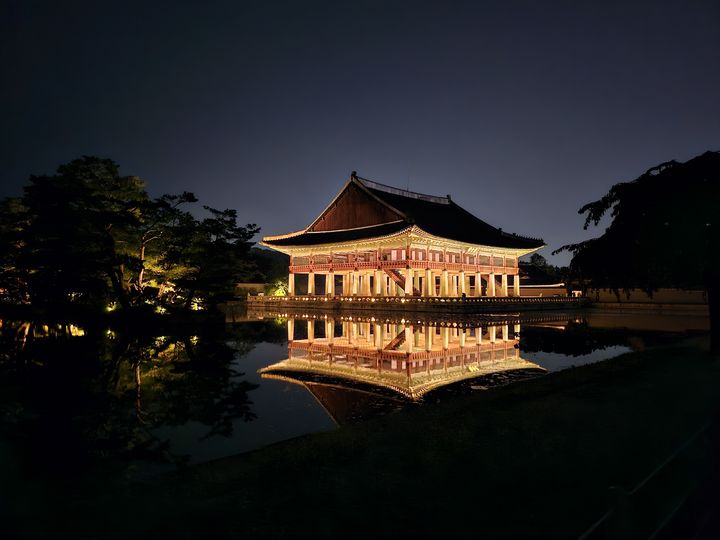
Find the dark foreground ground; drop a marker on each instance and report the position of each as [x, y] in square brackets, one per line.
[531, 460]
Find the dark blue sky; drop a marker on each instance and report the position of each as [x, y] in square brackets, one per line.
[523, 111]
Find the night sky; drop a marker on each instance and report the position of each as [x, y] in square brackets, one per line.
[523, 111]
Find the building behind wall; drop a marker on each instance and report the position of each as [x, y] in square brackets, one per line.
[377, 240]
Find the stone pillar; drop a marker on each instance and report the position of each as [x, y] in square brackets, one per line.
[311, 284]
[478, 284]
[291, 284]
[444, 283]
[504, 285]
[463, 291]
[429, 285]
[516, 285]
[311, 330]
[291, 329]
[491, 285]
[409, 282]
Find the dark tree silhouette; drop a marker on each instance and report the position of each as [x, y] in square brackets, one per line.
[663, 234]
[88, 237]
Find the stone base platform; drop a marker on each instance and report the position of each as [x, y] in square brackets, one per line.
[340, 304]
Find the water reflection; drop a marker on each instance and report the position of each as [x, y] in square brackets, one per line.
[104, 394]
[178, 395]
[404, 359]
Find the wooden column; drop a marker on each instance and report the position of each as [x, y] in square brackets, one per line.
[516, 284]
[444, 283]
[409, 344]
[503, 285]
[291, 329]
[354, 282]
[310, 330]
[311, 284]
[429, 331]
[291, 284]
[491, 285]
[478, 335]
[408, 282]
[463, 291]
[330, 284]
[429, 285]
[478, 284]
[505, 332]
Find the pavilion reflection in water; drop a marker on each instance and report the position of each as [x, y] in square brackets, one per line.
[405, 360]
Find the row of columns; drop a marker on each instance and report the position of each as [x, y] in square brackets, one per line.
[379, 283]
[416, 337]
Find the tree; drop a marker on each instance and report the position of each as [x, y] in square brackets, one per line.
[74, 242]
[538, 260]
[209, 257]
[663, 234]
[89, 237]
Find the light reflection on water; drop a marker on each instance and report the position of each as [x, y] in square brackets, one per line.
[201, 397]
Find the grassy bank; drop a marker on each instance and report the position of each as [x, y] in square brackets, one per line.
[531, 460]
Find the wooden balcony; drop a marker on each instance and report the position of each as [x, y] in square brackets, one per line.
[401, 265]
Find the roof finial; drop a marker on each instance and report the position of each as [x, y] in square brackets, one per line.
[353, 175]
[448, 197]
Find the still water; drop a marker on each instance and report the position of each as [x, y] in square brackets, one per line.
[153, 402]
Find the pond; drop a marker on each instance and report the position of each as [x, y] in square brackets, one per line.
[73, 399]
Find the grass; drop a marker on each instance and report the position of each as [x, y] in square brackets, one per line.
[530, 460]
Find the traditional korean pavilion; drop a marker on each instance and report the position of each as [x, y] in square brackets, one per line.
[377, 240]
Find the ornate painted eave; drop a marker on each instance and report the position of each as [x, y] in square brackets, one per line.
[412, 234]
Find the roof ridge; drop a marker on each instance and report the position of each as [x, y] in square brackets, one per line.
[372, 184]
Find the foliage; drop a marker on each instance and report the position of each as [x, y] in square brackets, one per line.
[279, 287]
[88, 236]
[663, 232]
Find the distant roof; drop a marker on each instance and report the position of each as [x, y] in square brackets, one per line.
[438, 216]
